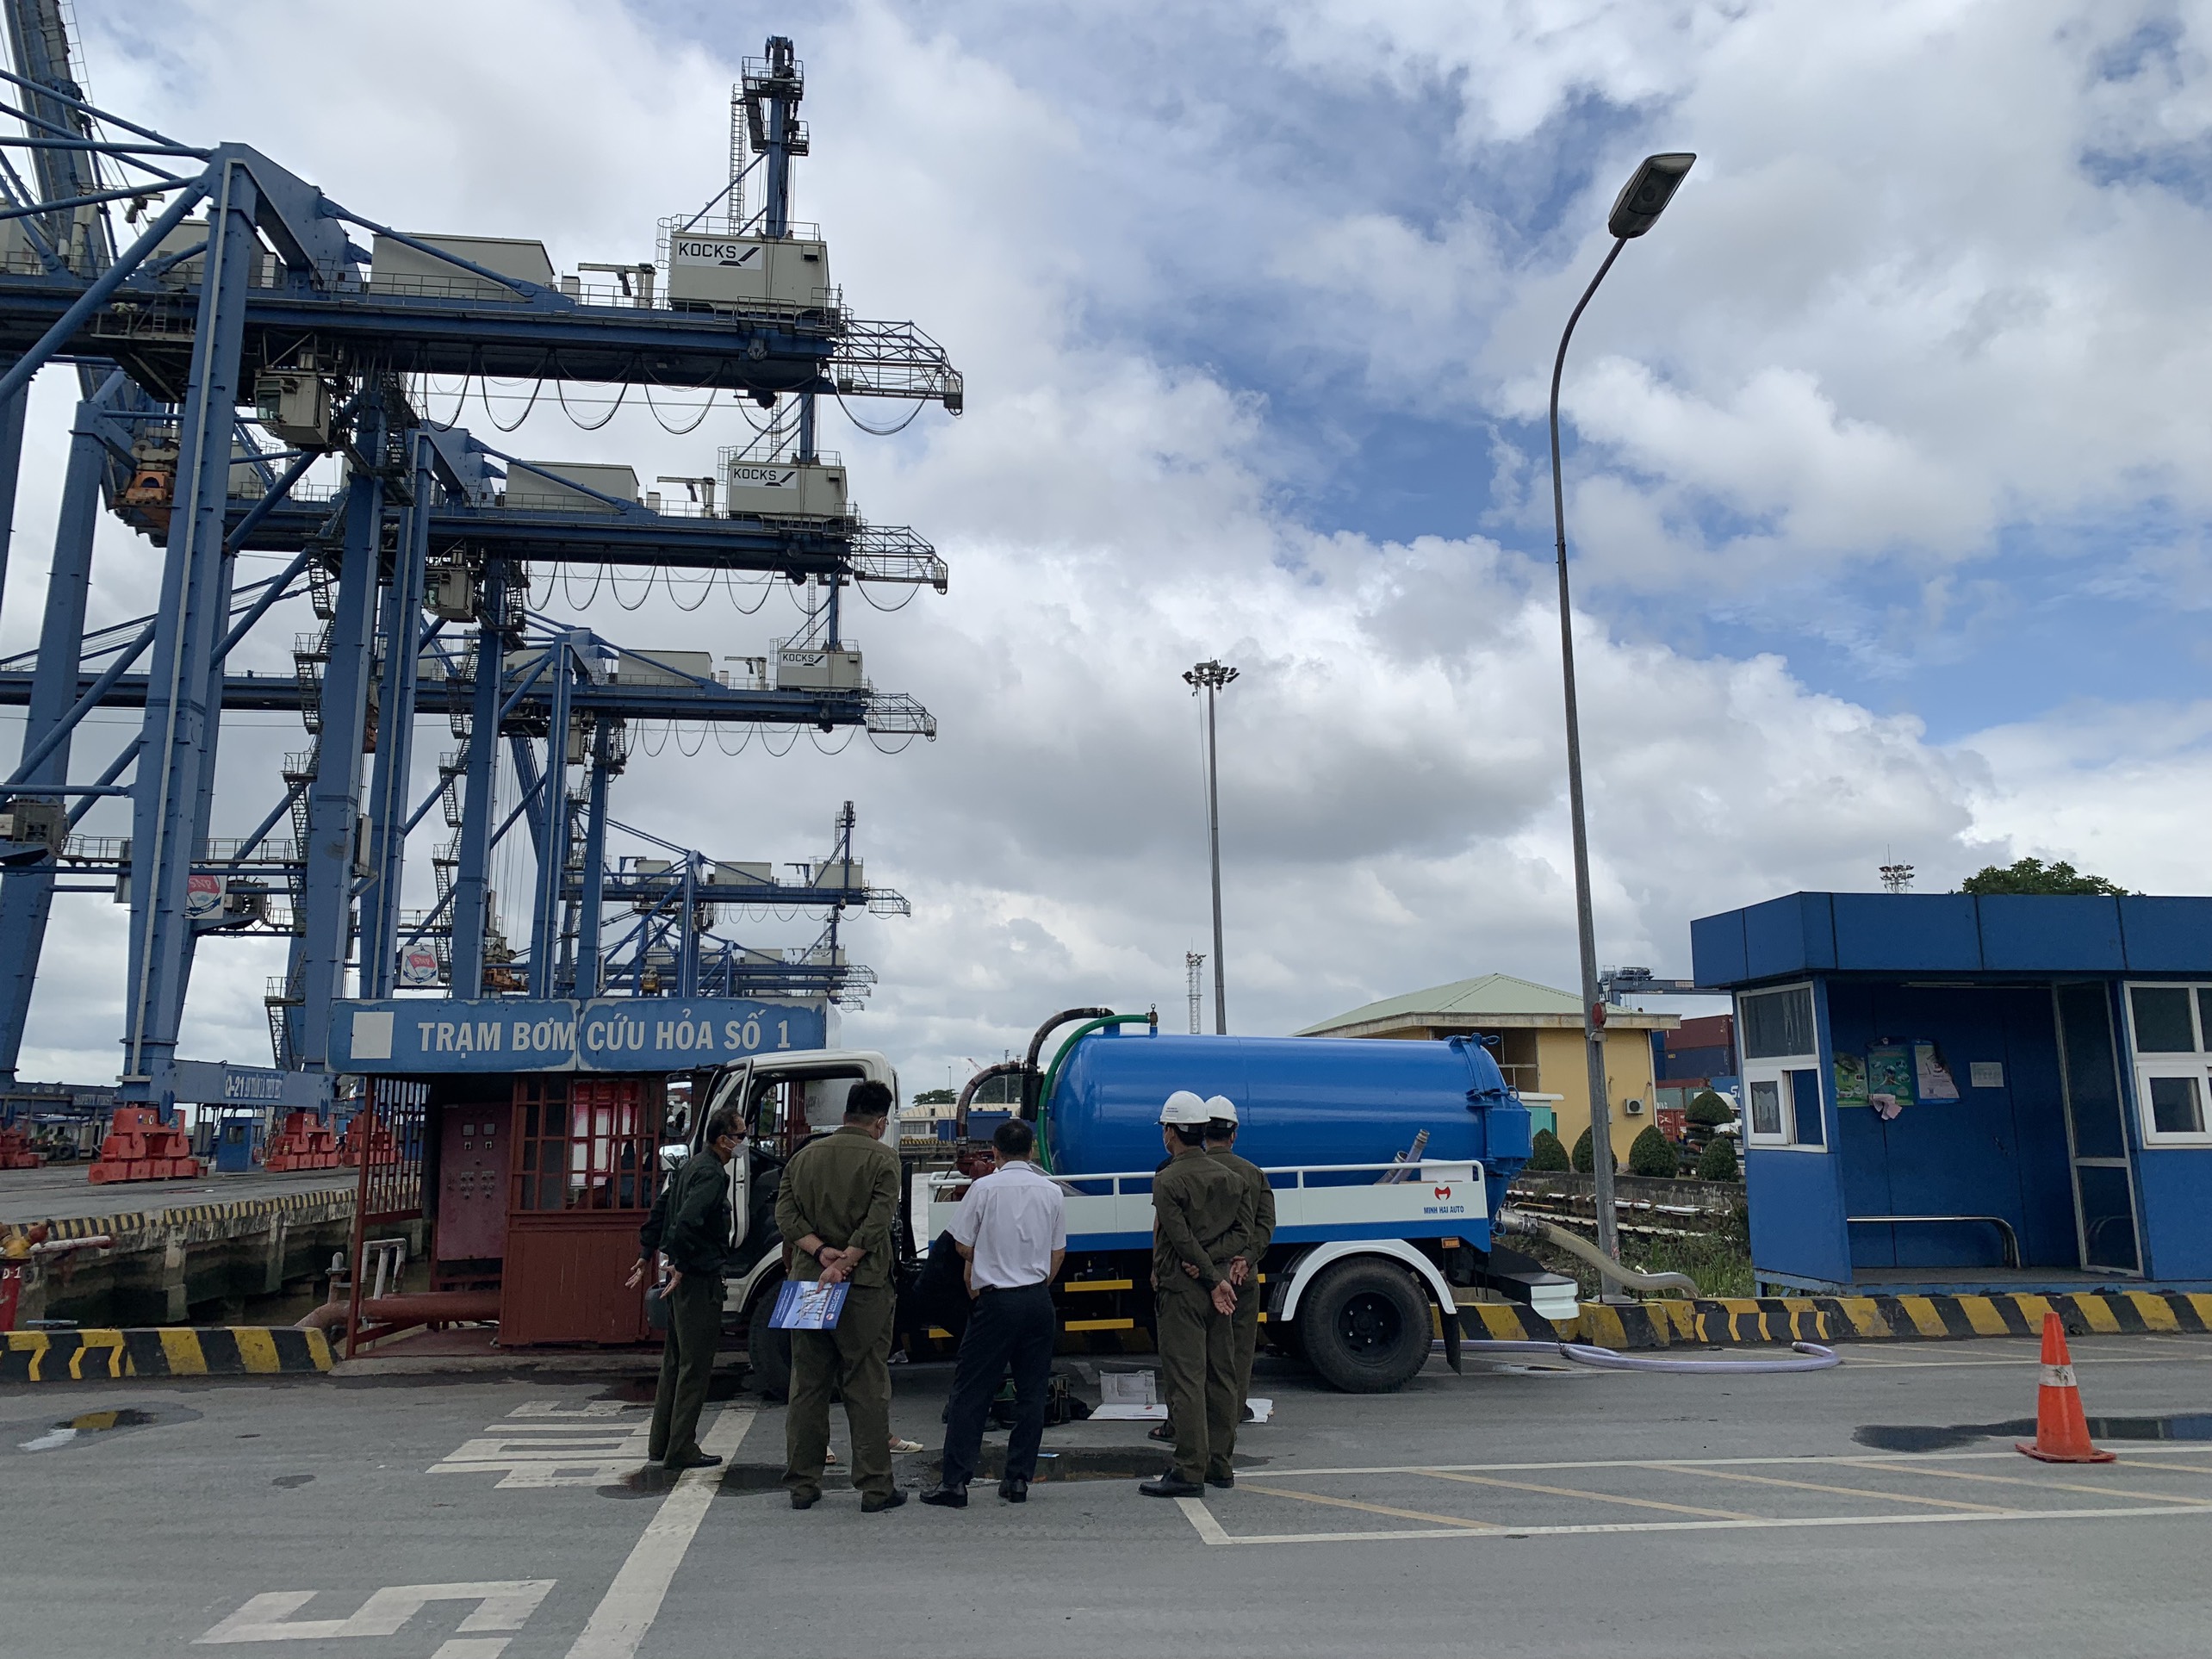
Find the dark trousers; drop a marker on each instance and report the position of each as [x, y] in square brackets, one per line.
[686, 1365]
[855, 1359]
[1198, 1369]
[1006, 1327]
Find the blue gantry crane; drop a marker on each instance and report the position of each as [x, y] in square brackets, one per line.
[253, 379]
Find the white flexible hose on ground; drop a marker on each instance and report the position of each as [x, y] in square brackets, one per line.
[1512, 1221]
[1808, 1356]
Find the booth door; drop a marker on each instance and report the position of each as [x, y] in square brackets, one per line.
[2105, 1199]
[581, 1180]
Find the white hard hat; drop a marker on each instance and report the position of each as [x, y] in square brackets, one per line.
[1219, 1108]
[1184, 1108]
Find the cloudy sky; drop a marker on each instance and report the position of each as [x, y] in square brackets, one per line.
[1885, 453]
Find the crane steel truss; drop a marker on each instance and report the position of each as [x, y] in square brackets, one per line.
[418, 569]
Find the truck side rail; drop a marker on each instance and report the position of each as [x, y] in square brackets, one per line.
[1313, 1203]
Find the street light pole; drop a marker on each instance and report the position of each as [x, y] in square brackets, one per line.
[1638, 208]
[1211, 677]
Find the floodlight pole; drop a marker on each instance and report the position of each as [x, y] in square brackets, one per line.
[1211, 677]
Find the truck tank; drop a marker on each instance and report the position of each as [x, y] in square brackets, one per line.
[1299, 1100]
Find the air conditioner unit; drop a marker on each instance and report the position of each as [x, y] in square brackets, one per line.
[1633, 1108]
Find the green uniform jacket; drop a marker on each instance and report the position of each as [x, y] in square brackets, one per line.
[1198, 1210]
[690, 1221]
[843, 1187]
[1259, 1217]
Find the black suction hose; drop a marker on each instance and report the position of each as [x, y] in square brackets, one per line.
[1028, 1067]
[1001, 1068]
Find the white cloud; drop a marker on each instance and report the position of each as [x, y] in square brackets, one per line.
[1903, 374]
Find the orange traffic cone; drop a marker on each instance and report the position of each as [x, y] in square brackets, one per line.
[2061, 1432]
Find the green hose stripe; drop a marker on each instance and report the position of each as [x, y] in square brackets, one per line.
[1053, 1072]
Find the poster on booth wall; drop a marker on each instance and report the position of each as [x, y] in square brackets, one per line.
[1931, 1077]
[1890, 1087]
[1850, 1080]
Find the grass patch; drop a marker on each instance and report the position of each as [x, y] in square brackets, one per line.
[1720, 1263]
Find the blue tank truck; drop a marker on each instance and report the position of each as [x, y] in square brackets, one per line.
[1389, 1161]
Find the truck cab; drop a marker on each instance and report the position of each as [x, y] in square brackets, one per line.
[786, 1100]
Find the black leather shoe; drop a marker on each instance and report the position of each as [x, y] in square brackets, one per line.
[877, 1506]
[697, 1460]
[1160, 1432]
[1224, 1480]
[805, 1500]
[1170, 1486]
[1014, 1490]
[947, 1497]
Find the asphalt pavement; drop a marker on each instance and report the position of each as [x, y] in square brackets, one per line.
[1877, 1508]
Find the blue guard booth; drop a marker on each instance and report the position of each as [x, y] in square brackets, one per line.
[1948, 1092]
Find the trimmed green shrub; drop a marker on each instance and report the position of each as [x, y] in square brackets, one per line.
[1547, 1156]
[1718, 1162]
[1583, 1160]
[1708, 1109]
[1651, 1153]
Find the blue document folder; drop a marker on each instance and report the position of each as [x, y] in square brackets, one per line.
[803, 1305]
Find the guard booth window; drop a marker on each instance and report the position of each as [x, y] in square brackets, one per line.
[2170, 1033]
[581, 1143]
[1781, 1069]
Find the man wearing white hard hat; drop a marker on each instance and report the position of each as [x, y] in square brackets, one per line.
[1258, 1223]
[1198, 1207]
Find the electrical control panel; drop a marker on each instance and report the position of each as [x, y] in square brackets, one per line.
[472, 1182]
[789, 490]
[737, 272]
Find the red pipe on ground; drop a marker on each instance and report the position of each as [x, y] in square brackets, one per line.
[417, 1308]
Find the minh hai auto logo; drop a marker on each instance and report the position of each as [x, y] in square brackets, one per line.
[1443, 1192]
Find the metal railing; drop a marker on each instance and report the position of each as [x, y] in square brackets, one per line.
[2004, 1228]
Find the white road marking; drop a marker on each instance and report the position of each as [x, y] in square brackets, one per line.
[503, 1605]
[1195, 1511]
[471, 1646]
[2089, 1360]
[545, 1442]
[633, 1601]
[1753, 1526]
[1807, 1460]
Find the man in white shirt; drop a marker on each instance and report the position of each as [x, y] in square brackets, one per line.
[1011, 1231]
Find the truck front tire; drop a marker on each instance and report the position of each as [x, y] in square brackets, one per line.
[768, 1351]
[1364, 1326]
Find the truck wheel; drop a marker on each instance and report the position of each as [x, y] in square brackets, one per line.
[1365, 1325]
[767, 1351]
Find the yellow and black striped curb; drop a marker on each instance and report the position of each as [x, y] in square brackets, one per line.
[217, 1350]
[138, 1221]
[1740, 1321]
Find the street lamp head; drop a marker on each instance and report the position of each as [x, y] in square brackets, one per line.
[1207, 675]
[1645, 196]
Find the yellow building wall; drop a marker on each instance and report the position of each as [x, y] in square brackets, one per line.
[1563, 1071]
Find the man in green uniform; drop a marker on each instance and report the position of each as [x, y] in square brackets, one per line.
[690, 1225]
[838, 1204]
[1258, 1221]
[1198, 1206]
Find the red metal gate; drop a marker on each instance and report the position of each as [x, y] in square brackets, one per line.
[389, 1131]
[581, 1178]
